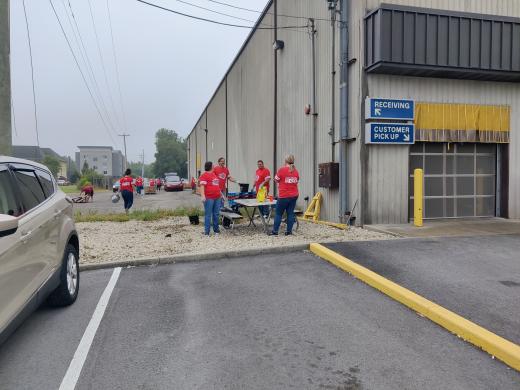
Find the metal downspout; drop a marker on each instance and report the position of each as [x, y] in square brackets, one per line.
[332, 131]
[314, 113]
[275, 94]
[344, 105]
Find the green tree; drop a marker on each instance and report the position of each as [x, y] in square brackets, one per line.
[171, 153]
[85, 168]
[53, 163]
[137, 166]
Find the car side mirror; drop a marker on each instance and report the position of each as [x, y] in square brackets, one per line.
[8, 225]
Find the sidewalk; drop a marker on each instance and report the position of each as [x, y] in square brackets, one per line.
[452, 228]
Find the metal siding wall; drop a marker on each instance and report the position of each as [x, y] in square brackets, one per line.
[383, 164]
[250, 106]
[216, 113]
[295, 91]
[441, 91]
[492, 7]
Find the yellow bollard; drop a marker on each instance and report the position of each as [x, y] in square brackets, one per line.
[418, 183]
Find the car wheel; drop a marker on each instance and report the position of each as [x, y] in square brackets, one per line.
[67, 291]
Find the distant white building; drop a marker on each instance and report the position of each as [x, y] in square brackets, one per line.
[103, 159]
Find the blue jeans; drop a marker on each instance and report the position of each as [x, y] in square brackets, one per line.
[211, 209]
[264, 210]
[128, 197]
[285, 205]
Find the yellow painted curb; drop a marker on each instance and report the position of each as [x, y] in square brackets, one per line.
[495, 345]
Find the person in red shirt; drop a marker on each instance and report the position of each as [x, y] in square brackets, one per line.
[193, 185]
[211, 198]
[139, 185]
[222, 173]
[287, 178]
[88, 190]
[262, 179]
[126, 187]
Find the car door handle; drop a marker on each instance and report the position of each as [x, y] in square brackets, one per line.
[57, 214]
[24, 236]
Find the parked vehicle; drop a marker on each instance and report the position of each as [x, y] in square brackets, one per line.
[62, 181]
[173, 183]
[39, 245]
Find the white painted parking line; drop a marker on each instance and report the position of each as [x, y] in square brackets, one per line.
[76, 365]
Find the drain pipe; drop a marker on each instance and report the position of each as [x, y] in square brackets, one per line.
[344, 105]
[332, 132]
[314, 113]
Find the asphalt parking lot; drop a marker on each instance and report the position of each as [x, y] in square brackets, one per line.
[162, 200]
[475, 277]
[268, 322]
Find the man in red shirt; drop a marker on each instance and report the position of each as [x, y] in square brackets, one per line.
[287, 178]
[126, 187]
[211, 197]
[222, 173]
[262, 179]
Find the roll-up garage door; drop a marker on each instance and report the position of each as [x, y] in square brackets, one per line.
[459, 179]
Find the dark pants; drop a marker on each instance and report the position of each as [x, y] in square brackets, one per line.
[128, 197]
[285, 205]
[264, 210]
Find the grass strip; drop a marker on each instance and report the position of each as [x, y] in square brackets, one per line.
[136, 215]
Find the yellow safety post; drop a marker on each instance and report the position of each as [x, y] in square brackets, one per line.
[418, 183]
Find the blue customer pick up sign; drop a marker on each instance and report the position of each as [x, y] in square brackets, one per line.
[389, 133]
[377, 108]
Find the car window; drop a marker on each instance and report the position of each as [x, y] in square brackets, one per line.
[8, 203]
[173, 178]
[31, 191]
[47, 182]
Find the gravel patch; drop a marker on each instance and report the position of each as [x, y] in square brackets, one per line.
[111, 241]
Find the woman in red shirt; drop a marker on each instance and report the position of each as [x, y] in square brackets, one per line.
[211, 196]
[126, 188]
[287, 178]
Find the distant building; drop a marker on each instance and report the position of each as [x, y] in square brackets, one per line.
[37, 154]
[103, 159]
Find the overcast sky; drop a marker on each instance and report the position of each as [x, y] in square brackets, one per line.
[169, 66]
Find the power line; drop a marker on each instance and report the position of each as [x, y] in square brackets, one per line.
[32, 75]
[103, 63]
[268, 13]
[91, 68]
[82, 74]
[216, 12]
[117, 67]
[214, 21]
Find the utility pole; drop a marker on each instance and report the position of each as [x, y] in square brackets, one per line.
[6, 140]
[142, 163]
[124, 142]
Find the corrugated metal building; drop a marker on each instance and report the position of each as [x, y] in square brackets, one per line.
[446, 55]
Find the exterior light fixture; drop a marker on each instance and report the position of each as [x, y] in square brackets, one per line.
[278, 45]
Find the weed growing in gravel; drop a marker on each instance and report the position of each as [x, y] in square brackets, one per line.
[137, 215]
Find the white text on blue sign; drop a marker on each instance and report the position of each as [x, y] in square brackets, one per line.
[377, 108]
[390, 133]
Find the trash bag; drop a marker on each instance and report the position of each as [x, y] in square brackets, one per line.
[261, 194]
[115, 198]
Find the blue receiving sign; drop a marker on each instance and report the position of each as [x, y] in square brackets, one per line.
[389, 133]
[377, 108]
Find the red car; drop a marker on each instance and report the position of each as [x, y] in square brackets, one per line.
[173, 183]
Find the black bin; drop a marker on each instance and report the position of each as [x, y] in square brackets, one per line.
[244, 187]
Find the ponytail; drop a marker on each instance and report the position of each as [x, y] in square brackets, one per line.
[289, 160]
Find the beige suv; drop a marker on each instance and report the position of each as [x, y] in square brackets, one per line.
[39, 246]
